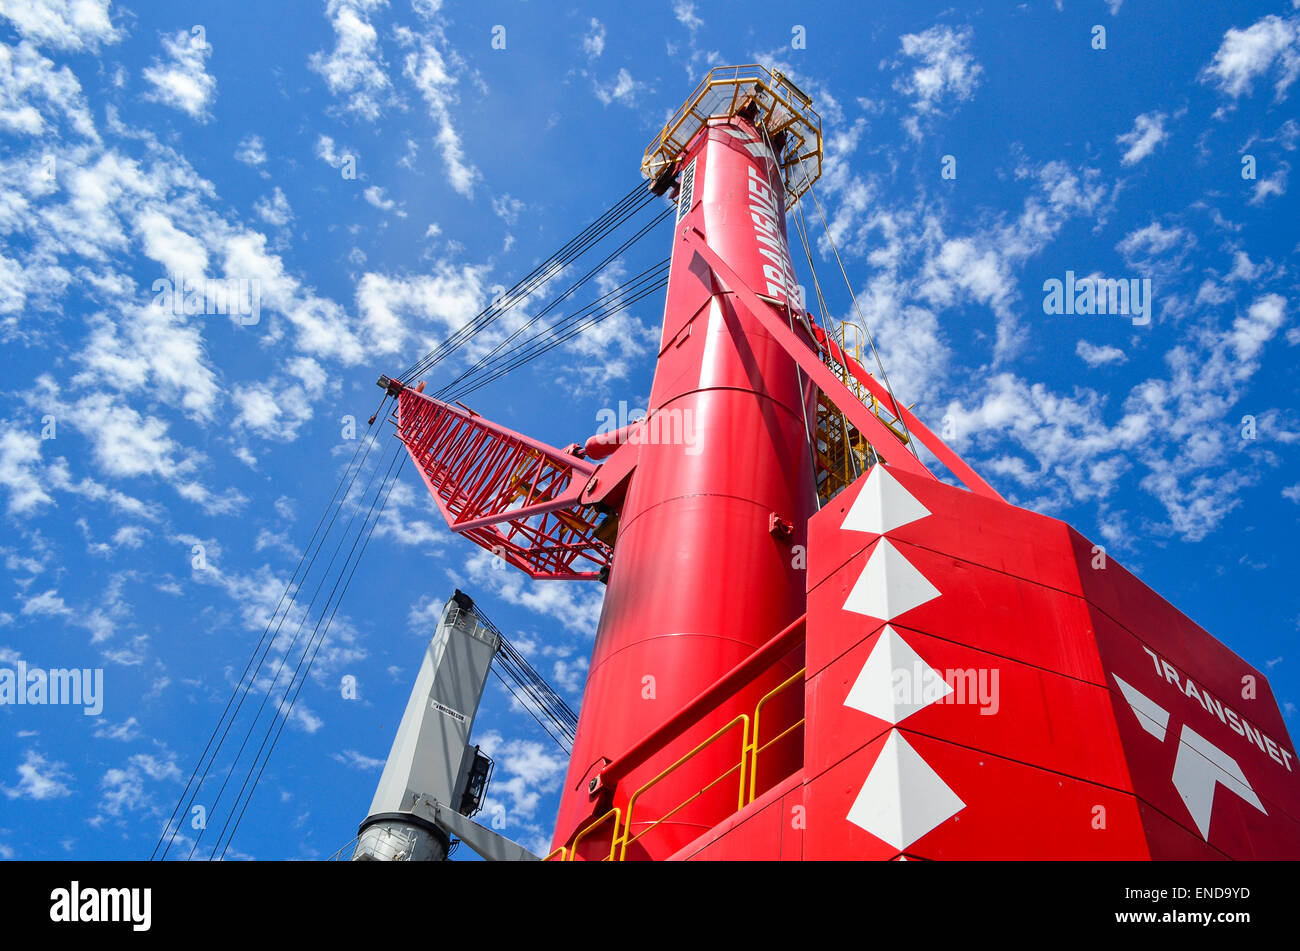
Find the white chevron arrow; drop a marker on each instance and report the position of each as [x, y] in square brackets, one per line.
[1199, 770]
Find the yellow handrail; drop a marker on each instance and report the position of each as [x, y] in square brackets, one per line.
[742, 719]
[748, 766]
[758, 710]
[613, 841]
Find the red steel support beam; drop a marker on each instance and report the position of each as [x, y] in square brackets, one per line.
[881, 437]
[941, 450]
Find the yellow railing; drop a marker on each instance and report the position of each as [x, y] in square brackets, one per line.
[750, 749]
[779, 107]
[586, 830]
[743, 720]
[755, 749]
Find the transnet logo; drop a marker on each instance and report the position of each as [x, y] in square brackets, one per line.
[1200, 766]
[764, 211]
[1217, 708]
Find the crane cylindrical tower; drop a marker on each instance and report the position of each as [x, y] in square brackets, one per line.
[707, 564]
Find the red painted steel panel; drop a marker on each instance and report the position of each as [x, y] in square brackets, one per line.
[794, 822]
[977, 529]
[758, 838]
[1000, 613]
[1009, 811]
[991, 703]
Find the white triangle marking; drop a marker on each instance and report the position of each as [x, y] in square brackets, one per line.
[903, 798]
[883, 505]
[895, 682]
[889, 585]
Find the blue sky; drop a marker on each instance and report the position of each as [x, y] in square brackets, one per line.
[140, 141]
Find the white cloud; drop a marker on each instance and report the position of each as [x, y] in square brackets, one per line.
[329, 154]
[1245, 55]
[946, 69]
[20, 465]
[376, 196]
[354, 71]
[684, 11]
[427, 69]
[355, 760]
[125, 788]
[623, 89]
[251, 151]
[323, 327]
[1096, 356]
[507, 208]
[1153, 240]
[395, 310]
[39, 779]
[277, 412]
[63, 24]
[275, 210]
[182, 82]
[525, 770]
[1148, 132]
[593, 43]
[424, 615]
[1272, 187]
[34, 91]
[577, 607]
[125, 732]
[46, 604]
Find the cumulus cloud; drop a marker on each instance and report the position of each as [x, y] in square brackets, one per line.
[428, 70]
[1096, 356]
[354, 70]
[622, 89]
[63, 24]
[274, 210]
[1269, 45]
[593, 43]
[939, 67]
[39, 779]
[181, 80]
[251, 151]
[1148, 132]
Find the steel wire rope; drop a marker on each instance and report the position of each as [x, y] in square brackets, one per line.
[628, 207]
[630, 203]
[387, 491]
[647, 278]
[366, 442]
[568, 292]
[288, 650]
[871, 340]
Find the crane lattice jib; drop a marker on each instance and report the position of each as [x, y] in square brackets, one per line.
[514, 496]
[779, 106]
